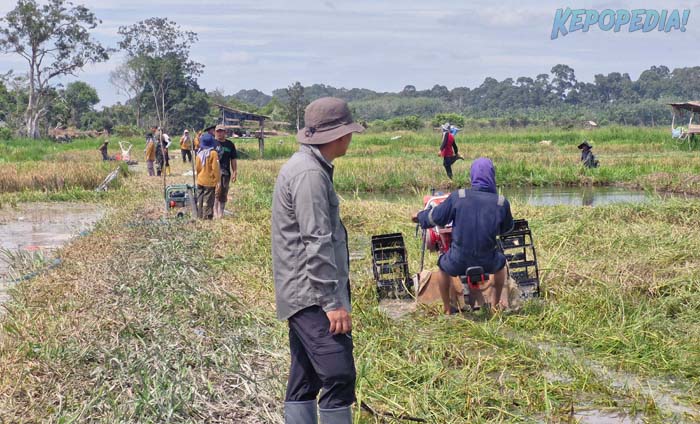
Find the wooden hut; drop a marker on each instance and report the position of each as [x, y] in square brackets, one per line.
[234, 119]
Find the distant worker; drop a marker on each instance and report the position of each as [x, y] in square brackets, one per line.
[160, 156]
[448, 149]
[310, 267]
[587, 157]
[186, 146]
[229, 169]
[208, 176]
[477, 215]
[166, 150]
[196, 140]
[103, 150]
[150, 153]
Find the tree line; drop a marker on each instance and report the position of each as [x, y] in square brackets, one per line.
[160, 82]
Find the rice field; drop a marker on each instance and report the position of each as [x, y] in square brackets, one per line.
[152, 320]
[32, 170]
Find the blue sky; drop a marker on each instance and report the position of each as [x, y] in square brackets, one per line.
[384, 45]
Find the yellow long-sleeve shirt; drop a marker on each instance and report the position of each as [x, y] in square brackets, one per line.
[209, 175]
[151, 151]
[185, 143]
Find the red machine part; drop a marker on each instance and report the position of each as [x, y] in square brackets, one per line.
[438, 238]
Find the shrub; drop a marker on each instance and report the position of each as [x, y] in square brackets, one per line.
[6, 133]
[410, 123]
[127, 131]
[452, 118]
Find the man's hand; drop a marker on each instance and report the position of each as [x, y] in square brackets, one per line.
[414, 217]
[340, 320]
[234, 176]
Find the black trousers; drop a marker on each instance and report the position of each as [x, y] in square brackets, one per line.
[447, 162]
[186, 154]
[321, 362]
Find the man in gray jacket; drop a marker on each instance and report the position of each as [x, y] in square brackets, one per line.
[310, 264]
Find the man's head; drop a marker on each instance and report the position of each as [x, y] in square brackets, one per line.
[585, 145]
[329, 125]
[209, 129]
[483, 175]
[220, 133]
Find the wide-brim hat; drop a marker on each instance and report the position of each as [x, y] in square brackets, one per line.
[210, 127]
[585, 144]
[327, 119]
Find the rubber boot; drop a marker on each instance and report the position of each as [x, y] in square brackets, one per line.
[336, 416]
[216, 209]
[305, 412]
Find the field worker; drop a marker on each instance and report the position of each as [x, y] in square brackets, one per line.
[229, 169]
[454, 130]
[447, 150]
[208, 176]
[103, 150]
[160, 156]
[477, 216]
[196, 140]
[166, 150]
[310, 265]
[150, 152]
[587, 157]
[186, 146]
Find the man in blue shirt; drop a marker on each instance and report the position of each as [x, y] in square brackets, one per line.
[478, 216]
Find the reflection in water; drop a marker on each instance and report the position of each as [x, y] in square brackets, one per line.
[576, 196]
[536, 196]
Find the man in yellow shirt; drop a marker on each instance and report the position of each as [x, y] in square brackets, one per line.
[150, 152]
[208, 176]
[186, 146]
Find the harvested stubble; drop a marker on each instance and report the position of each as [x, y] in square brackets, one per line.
[51, 177]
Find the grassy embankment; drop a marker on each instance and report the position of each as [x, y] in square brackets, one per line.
[151, 322]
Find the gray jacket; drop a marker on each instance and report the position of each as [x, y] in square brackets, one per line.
[310, 259]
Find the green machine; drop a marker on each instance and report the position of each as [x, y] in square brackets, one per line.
[180, 200]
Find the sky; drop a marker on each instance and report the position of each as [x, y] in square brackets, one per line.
[385, 45]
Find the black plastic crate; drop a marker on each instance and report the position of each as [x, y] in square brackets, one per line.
[390, 266]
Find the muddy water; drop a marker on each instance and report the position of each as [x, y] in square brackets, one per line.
[540, 196]
[42, 227]
[595, 416]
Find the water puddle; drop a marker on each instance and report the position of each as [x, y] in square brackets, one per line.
[540, 196]
[664, 393]
[596, 416]
[42, 227]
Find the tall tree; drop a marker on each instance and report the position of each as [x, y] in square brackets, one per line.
[80, 98]
[55, 41]
[297, 103]
[129, 81]
[158, 52]
[564, 80]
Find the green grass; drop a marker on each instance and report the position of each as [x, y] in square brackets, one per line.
[170, 321]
